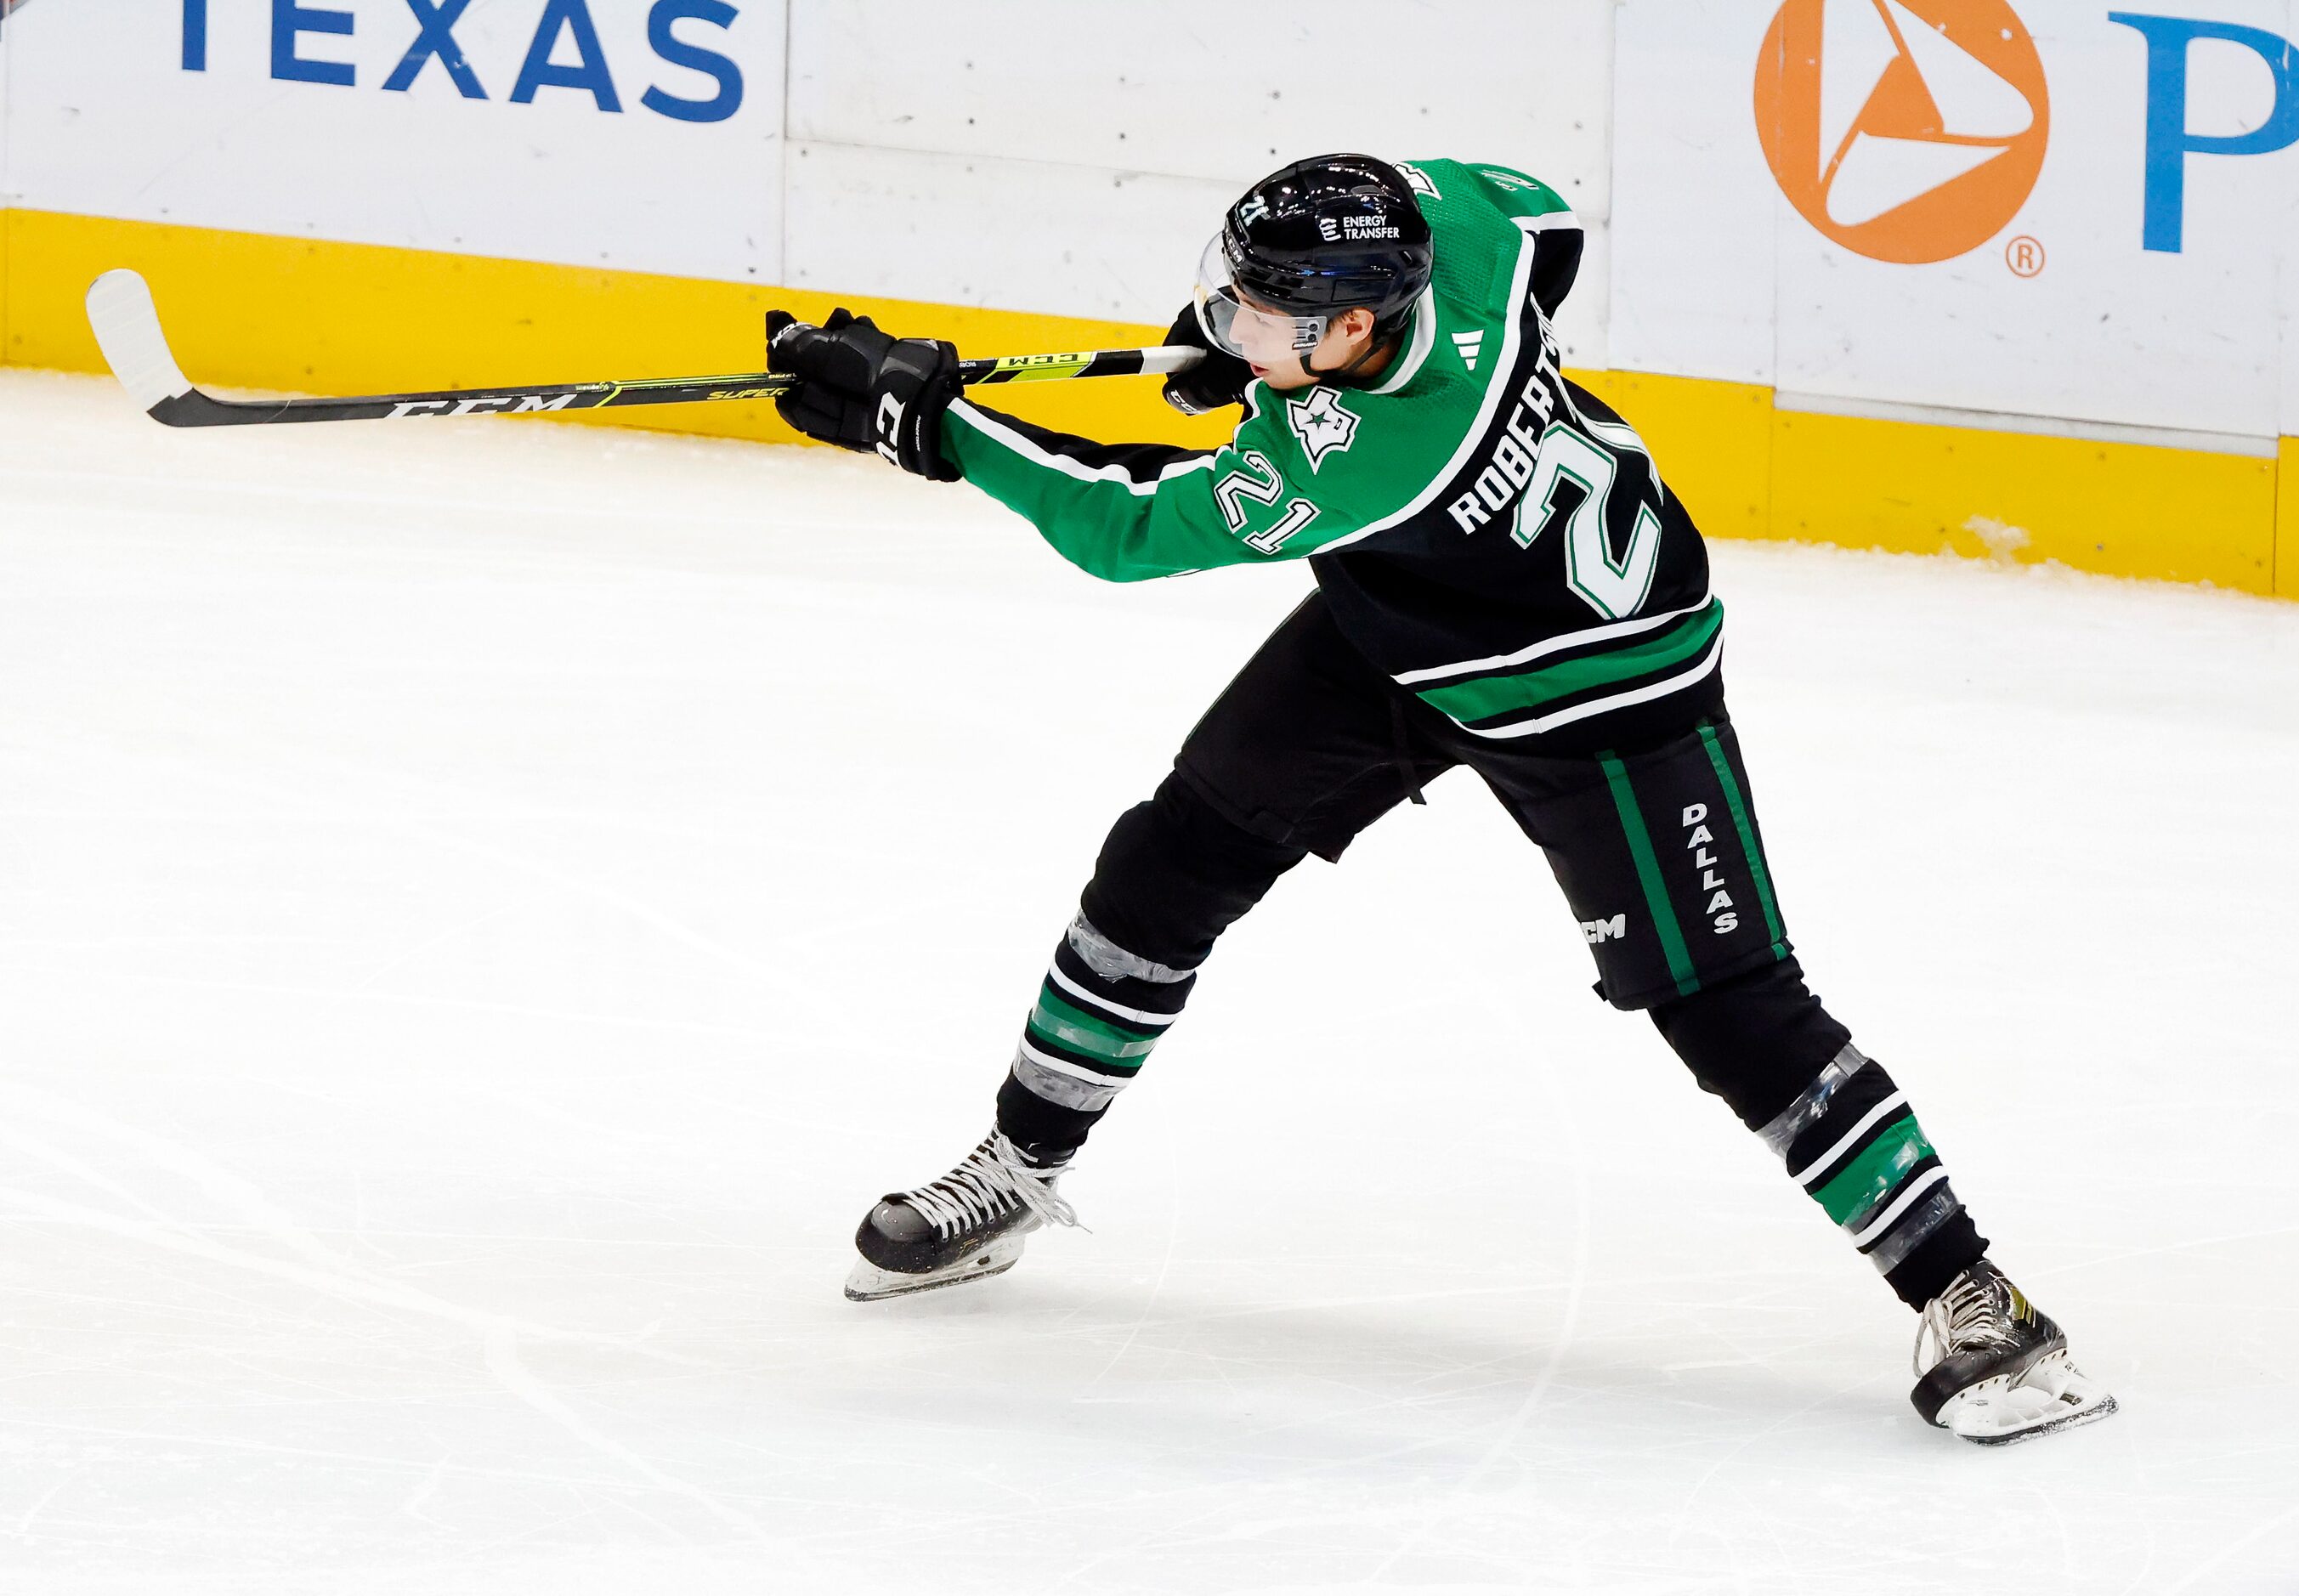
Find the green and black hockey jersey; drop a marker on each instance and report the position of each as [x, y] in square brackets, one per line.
[1489, 533]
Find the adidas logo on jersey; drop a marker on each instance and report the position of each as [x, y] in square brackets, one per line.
[1471, 345]
[1510, 179]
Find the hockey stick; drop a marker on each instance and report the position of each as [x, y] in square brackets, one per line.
[126, 325]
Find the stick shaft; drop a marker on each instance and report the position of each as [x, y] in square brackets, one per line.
[126, 325]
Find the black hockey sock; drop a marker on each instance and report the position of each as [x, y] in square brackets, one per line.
[1047, 1133]
[1764, 1043]
[1851, 1141]
[1099, 1012]
[1755, 1040]
[1172, 875]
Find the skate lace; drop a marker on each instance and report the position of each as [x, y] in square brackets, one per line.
[1969, 1315]
[993, 1179]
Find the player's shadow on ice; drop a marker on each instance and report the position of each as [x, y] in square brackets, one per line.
[1190, 1366]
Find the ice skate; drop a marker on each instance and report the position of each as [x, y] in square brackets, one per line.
[968, 1226]
[1993, 1369]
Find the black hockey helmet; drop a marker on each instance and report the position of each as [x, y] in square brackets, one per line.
[1311, 240]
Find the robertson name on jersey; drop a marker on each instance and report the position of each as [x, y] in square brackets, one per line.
[1488, 533]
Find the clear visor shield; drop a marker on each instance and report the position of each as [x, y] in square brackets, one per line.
[1264, 337]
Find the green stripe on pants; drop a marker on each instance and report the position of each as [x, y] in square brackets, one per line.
[1640, 849]
[1750, 849]
[1489, 696]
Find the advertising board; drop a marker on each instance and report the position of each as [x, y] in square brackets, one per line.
[2042, 209]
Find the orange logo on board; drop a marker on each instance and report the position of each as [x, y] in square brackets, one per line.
[1907, 131]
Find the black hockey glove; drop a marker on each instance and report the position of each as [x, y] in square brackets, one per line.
[862, 389]
[1218, 379]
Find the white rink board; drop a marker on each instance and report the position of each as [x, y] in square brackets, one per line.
[1006, 153]
[1223, 91]
[1714, 320]
[2108, 332]
[483, 910]
[983, 230]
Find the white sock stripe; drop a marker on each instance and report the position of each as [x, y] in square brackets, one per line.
[1138, 1015]
[1883, 1221]
[1898, 1100]
[1076, 1072]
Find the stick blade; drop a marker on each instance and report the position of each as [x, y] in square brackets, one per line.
[126, 327]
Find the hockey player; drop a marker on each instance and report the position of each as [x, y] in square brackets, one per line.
[1503, 582]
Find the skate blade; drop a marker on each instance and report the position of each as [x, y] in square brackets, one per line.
[2053, 1395]
[871, 1283]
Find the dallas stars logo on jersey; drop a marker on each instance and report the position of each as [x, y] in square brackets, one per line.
[1323, 425]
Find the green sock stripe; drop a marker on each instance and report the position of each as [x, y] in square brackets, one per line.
[1640, 849]
[1752, 850]
[1869, 1181]
[1070, 1027]
[1053, 1002]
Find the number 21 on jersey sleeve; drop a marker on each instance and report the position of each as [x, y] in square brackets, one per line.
[1258, 480]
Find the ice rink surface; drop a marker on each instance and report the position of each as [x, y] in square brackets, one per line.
[485, 908]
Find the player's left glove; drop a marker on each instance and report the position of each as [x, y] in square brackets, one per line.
[862, 389]
[1218, 379]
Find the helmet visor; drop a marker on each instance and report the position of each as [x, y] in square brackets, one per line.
[1263, 337]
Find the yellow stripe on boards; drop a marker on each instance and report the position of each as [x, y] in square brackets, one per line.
[1747, 468]
[2125, 509]
[7, 253]
[309, 316]
[2286, 519]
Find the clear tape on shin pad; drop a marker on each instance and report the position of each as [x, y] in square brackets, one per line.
[1106, 960]
[1071, 1084]
[1067, 1091]
[1805, 1112]
[1915, 1227]
[1892, 1212]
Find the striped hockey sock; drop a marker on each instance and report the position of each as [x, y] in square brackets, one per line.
[1851, 1141]
[1099, 1012]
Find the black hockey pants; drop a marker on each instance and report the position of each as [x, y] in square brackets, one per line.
[1654, 845]
[1310, 744]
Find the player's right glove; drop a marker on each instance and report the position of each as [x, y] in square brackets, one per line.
[862, 389]
[1218, 379]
